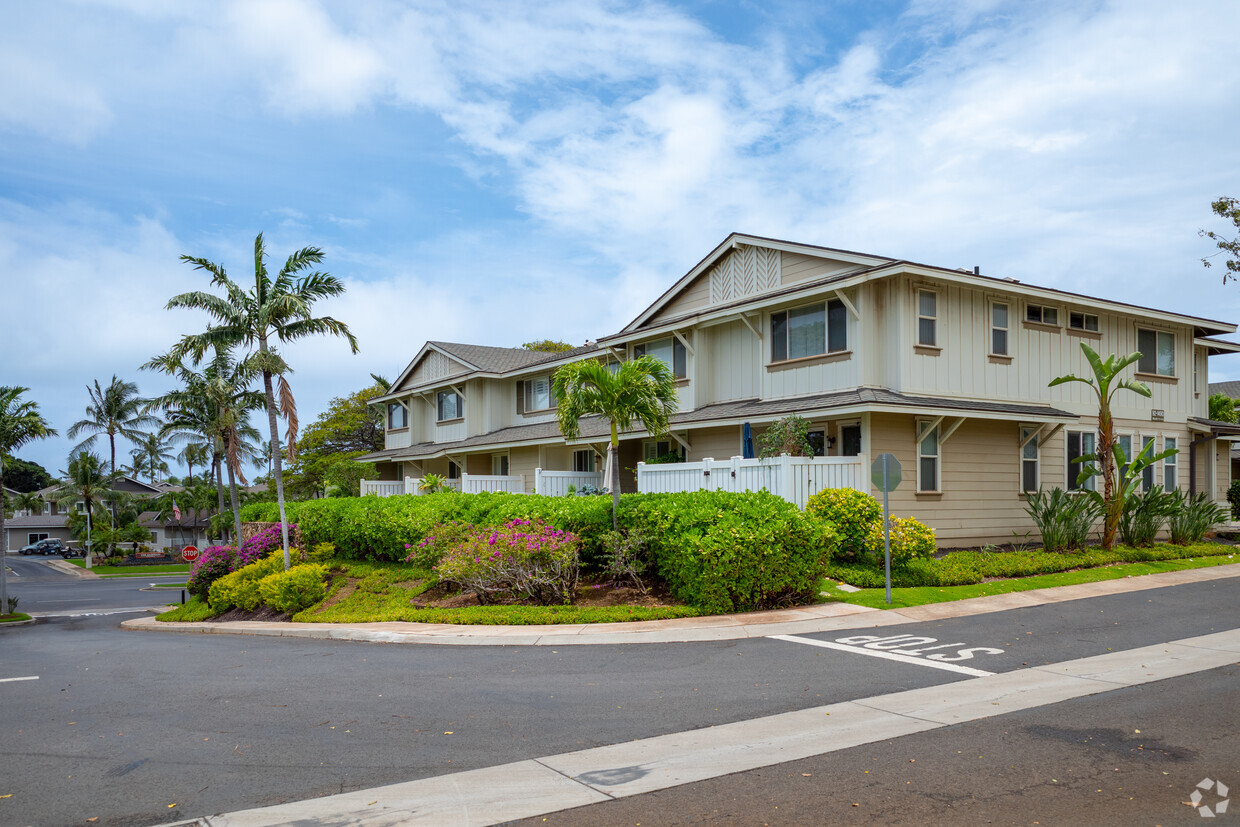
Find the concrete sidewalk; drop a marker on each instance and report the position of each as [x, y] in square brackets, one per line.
[800, 620]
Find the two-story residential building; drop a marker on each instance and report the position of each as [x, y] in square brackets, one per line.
[947, 369]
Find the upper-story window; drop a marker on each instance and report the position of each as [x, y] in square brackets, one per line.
[1042, 314]
[999, 328]
[669, 351]
[449, 405]
[1157, 352]
[809, 331]
[535, 395]
[398, 416]
[927, 318]
[1083, 321]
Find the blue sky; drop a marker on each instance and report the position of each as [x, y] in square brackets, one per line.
[495, 172]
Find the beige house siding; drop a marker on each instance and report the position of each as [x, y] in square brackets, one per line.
[694, 297]
[796, 267]
[727, 364]
[523, 461]
[716, 443]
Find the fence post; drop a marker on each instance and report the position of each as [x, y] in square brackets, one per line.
[522, 476]
[707, 481]
[641, 471]
[787, 481]
[537, 481]
[409, 485]
[464, 483]
[735, 482]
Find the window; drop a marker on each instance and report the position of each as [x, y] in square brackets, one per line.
[398, 416]
[1029, 457]
[80, 506]
[1080, 444]
[535, 395]
[1083, 321]
[1170, 482]
[583, 460]
[809, 331]
[449, 405]
[1157, 352]
[499, 465]
[999, 328]
[927, 456]
[1041, 314]
[1125, 445]
[653, 449]
[669, 351]
[454, 471]
[927, 318]
[818, 441]
[1147, 473]
[34, 538]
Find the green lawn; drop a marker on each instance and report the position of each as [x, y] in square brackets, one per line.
[14, 618]
[901, 598]
[133, 571]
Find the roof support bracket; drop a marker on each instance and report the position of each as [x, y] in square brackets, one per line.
[459, 392]
[683, 341]
[928, 427]
[683, 442]
[951, 429]
[839, 294]
[744, 318]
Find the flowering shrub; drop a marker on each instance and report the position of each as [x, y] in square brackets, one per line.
[910, 540]
[853, 514]
[427, 552]
[211, 565]
[522, 558]
[263, 543]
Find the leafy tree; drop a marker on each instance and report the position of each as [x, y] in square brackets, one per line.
[789, 435]
[116, 410]
[22, 475]
[547, 346]
[20, 423]
[1223, 408]
[1229, 209]
[276, 309]
[1105, 382]
[349, 425]
[643, 389]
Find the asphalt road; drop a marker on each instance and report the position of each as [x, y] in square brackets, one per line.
[120, 725]
[43, 589]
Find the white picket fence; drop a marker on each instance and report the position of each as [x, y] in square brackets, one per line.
[795, 479]
[549, 483]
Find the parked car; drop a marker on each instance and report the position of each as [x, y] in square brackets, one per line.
[33, 548]
[52, 545]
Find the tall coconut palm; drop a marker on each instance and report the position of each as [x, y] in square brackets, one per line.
[30, 502]
[20, 423]
[643, 390]
[155, 451]
[116, 410]
[214, 404]
[278, 309]
[193, 453]
[89, 482]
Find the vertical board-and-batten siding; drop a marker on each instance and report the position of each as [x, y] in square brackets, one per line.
[728, 367]
[1039, 354]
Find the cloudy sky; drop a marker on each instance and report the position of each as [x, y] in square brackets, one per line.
[495, 172]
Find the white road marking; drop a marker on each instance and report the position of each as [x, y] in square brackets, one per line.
[28, 678]
[90, 614]
[74, 600]
[876, 653]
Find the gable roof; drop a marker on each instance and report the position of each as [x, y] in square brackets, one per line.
[1231, 389]
[870, 267]
[483, 359]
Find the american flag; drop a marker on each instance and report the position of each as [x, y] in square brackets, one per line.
[176, 512]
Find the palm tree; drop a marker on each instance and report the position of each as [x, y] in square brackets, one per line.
[214, 404]
[1105, 382]
[88, 483]
[277, 309]
[194, 453]
[643, 389]
[114, 410]
[155, 451]
[29, 502]
[20, 423]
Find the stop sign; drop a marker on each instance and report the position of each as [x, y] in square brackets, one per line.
[189, 553]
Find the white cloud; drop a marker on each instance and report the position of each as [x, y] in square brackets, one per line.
[40, 97]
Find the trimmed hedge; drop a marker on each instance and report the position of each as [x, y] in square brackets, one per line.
[962, 568]
[720, 552]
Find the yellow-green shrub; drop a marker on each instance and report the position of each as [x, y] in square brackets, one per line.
[910, 540]
[298, 588]
[852, 513]
[240, 588]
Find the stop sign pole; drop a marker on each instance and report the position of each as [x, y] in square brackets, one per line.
[885, 474]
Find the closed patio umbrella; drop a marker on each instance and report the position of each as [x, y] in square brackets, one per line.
[747, 442]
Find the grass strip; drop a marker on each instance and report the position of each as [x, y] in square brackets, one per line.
[194, 609]
[14, 618]
[134, 571]
[923, 595]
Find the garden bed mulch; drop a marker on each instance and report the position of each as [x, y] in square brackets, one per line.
[590, 596]
[265, 613]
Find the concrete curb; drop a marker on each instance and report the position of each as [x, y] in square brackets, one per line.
[801, 620]
[68, 568]
[15, 623]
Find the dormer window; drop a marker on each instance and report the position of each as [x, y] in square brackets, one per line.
[398, 416]
[669, 351]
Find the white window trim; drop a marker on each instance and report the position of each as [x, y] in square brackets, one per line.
[938, 313]
[1007, 329]
[1084, 321]
[404, 408]
[826, 331]
[459, 402]
[919, 435]
[1022, 432]
[590, 460]
[1042, 308]
[1073, 469]
[506, 457]
[1171, 463]
[1174, 345]
[1152, 469]
[551, 406]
